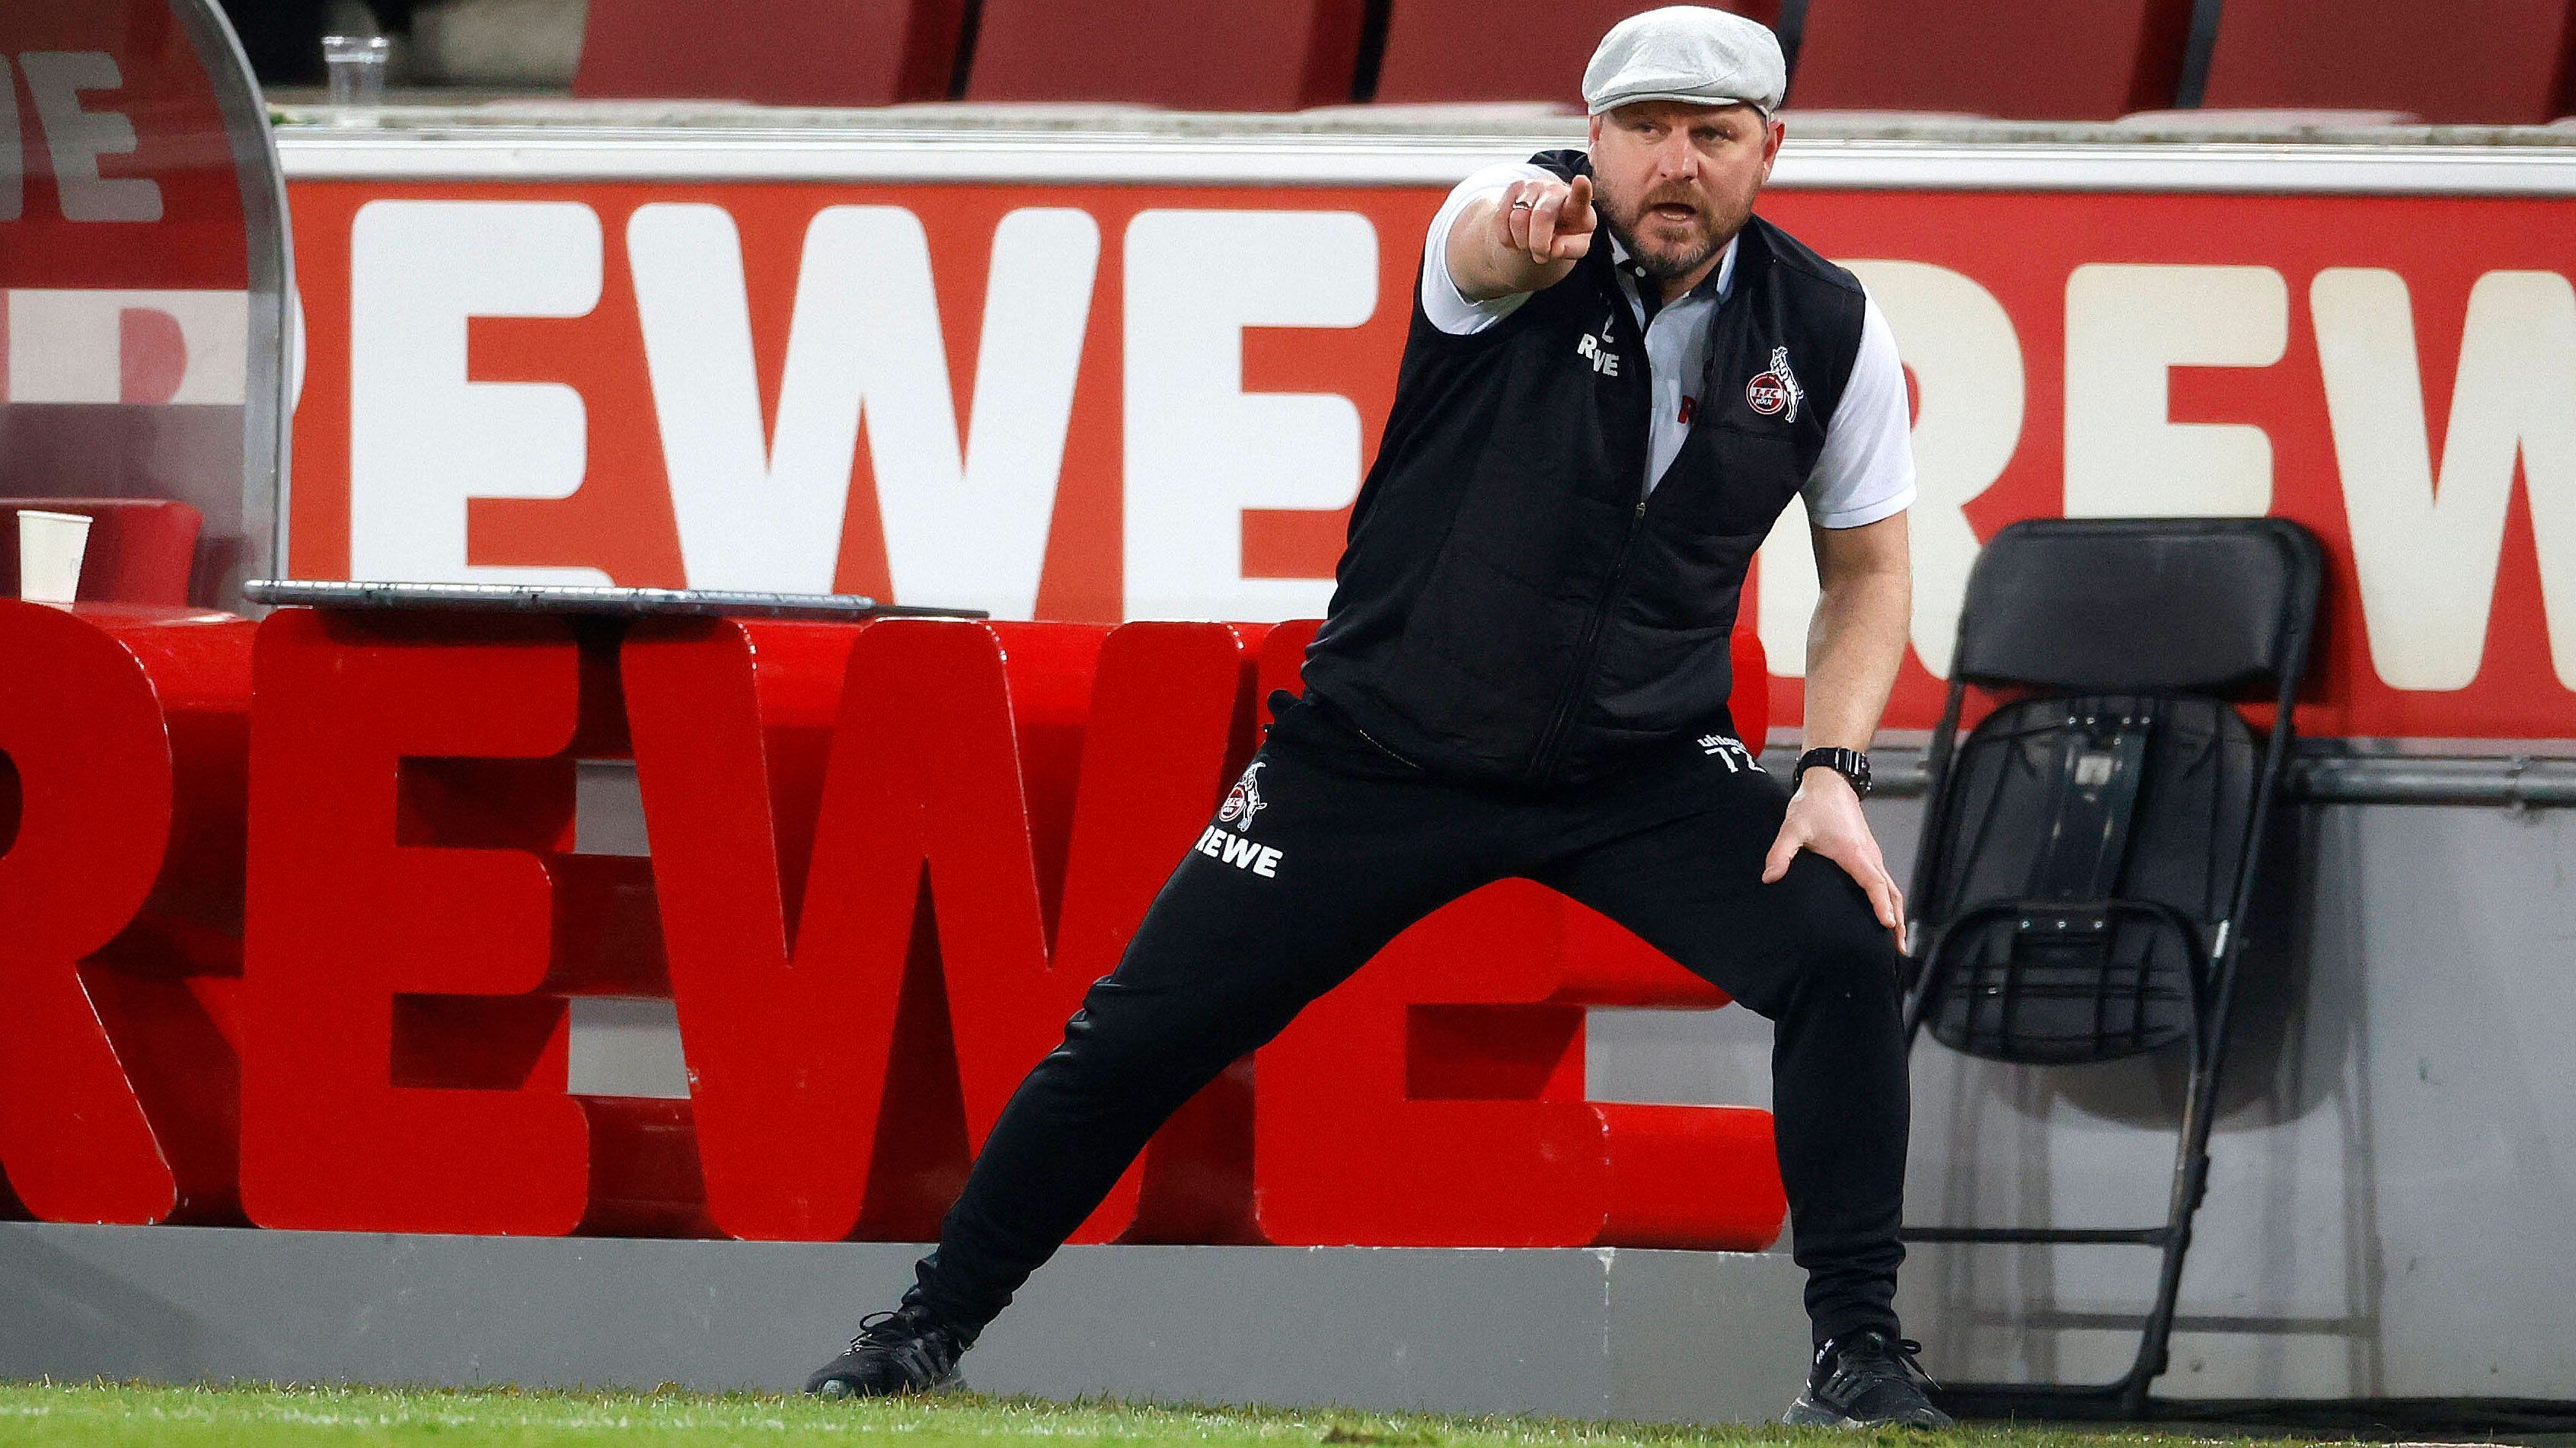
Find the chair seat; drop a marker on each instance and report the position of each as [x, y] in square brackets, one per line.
[2498, 62]
[2030, 60]
[1505, 50]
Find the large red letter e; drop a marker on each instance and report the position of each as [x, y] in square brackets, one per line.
[396, 1073]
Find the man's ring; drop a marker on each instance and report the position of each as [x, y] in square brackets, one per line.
[1517, 205]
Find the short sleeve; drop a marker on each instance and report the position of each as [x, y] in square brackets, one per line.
[1866, 471]
[1450, 311]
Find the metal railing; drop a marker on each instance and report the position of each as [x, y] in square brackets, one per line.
[2327, 771]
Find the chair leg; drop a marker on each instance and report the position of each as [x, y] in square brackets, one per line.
[1920, 1000]
[2190, 1183]
[2129, 1392]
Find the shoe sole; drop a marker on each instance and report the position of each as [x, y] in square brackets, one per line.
[1808, 1413]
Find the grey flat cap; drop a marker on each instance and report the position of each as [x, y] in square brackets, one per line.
[1687, 53]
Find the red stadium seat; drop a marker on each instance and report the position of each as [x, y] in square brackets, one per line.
[1201, 55]
[785, 53]
[140, 550]
[2498, 62]
[1505, 50]
[2038, 60]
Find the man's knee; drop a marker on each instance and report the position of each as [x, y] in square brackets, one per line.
[1848, 954]
[1855, 964]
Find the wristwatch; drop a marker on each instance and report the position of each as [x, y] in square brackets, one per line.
[1851, 764]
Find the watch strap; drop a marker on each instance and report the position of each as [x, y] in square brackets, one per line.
[1851, 764]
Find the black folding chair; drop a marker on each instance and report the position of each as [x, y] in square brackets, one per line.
[2089, 850]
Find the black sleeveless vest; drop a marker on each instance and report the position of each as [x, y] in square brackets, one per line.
[1509, 610]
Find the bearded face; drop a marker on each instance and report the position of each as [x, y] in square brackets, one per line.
[1676, 182]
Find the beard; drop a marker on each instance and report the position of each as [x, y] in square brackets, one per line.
[1666, 260]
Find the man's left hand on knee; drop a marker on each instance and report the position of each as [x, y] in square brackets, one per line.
[1825, 818]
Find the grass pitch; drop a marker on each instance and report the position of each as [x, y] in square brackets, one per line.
[230, 1417]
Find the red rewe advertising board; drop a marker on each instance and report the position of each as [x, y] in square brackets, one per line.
[297, 912]
[1088, 401]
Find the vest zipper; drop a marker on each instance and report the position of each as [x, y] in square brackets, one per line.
[1543, 760]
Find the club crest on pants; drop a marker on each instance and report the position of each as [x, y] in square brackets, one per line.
[1243, 801]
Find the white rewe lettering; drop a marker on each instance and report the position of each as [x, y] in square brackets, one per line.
[1220, 844]
[422, 438]
[1200, 450]
[2425, 548]
[2127, 327]
[965, 528]
[75, 138]
[1966, 361]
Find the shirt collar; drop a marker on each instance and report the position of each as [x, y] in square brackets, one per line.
[1716, 284]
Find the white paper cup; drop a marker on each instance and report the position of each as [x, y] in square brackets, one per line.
[49, 554]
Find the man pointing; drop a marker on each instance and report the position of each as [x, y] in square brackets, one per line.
[1616, 379]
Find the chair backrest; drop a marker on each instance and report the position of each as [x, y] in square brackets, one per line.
[2048, 60]
[1208, 55]
[140, 550]
[1505, 50]
[2092, 605]
[2492, 61]
[781, 52]
[2087, 845]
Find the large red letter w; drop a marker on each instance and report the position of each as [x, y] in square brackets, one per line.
[923, 803]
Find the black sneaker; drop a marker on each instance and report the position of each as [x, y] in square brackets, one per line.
[903, 1351]
[1866, 1380]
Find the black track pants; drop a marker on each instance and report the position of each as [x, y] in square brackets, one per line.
[1235, 946]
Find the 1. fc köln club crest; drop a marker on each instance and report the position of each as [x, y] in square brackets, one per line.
[1243, 801]
[1777, 390]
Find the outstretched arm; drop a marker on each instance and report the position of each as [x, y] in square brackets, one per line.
[1854, 646]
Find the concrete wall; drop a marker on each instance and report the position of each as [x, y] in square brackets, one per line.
[1597, 1333]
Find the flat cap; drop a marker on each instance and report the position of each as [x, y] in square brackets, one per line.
[1687, 53]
